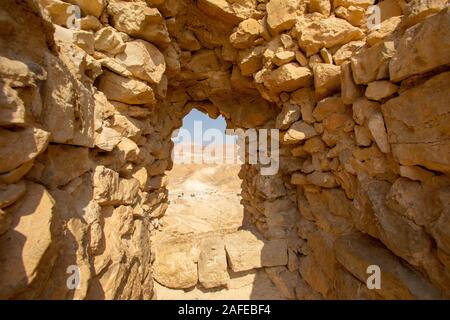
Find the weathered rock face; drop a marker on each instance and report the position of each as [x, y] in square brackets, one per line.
[86, 116]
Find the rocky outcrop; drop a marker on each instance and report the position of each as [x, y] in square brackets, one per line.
[88, 106]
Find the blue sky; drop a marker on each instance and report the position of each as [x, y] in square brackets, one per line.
[206, 123]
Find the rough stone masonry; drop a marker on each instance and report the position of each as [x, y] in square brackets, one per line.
[86, 116]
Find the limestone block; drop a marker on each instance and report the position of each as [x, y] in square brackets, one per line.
[138, 20]
[23, 249]
[422, 48]
[125, 90]
[357, 252]
[282, 14]
[20, 146]
[245, 251]
[417, 122]
[143, 60]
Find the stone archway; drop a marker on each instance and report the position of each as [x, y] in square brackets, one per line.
[86, 117]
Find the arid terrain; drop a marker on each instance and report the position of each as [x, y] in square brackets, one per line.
[204, 201]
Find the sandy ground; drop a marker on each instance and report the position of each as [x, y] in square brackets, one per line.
[205, 199]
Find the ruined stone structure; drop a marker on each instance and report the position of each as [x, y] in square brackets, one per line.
[86, 116]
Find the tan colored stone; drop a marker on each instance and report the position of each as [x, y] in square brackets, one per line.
[60, 164]
[68, 106]
[349, 90]
[12, 111]
[301, 59]
[228, 12]
[372, 63]
[20, 146]
[418, 10]
[282, 14]
[247, 32]
[283, 57]
[109, 189]
[92, 7]
[314, 145]
[346, 51]
[299, 131]
[326, 33]
[83, 39]
[109, 40]
[90, 23]
[143, 60]
[356, 3]
[322, 179]
[357, 252]
[363, 109]
[320, 6]
[387, 28]
[175, 265]
[305, 98]
[390, 8]
[416, 122]
[245, 251]
[299, 178]
[363, 136]
[15, 175]
[326, 78]
[140, 21]
[107, 139]
[327, 107]
[24, 248]
[251, 60]
[354, 15]
[288, 78]
[11, 193]
[57, 10]
[288, 115]
[422, 48]
[212, 263]
[284, 280]
[378, 90]
[125, 90]
[377, 129]
[415, 173]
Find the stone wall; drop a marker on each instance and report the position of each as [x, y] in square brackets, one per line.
[86, 117]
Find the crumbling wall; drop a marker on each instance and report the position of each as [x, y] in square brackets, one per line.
[88, 107]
